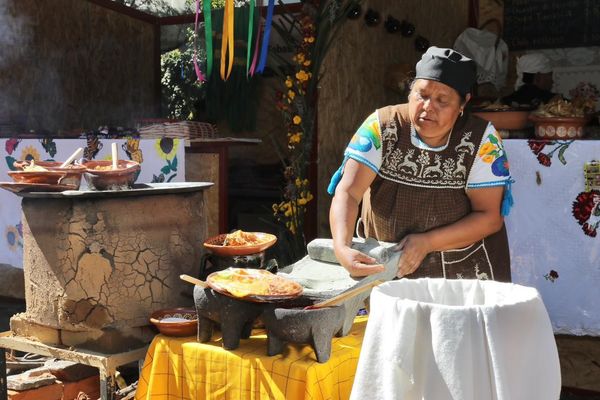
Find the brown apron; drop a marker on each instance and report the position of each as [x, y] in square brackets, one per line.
[417, 190]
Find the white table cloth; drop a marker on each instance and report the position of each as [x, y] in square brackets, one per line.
[437, 339]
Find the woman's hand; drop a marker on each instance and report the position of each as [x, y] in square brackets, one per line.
[357, 263]
[414, 249]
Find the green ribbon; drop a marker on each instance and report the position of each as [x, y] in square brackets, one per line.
[252, 6]
[207, 10]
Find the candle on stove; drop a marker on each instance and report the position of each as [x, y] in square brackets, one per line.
[114, 155]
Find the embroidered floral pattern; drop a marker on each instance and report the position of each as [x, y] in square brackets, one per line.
[552, 146]
[586, 210]
[367, 136]
[492, 152]
[551, 276]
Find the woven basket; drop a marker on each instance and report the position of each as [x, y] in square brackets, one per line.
[180, 129]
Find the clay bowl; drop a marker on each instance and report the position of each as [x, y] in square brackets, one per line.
[99, 176]
[561, 128]
[215, 245]
[505, 119]
[69, 176]
[175, 321]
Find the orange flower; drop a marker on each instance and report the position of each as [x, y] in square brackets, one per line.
[486, 148]
[488, 159]
[297, 120]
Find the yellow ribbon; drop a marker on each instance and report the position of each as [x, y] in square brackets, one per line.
[227, 41]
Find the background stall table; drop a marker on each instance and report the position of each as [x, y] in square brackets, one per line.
[182, 368]
[552, 230]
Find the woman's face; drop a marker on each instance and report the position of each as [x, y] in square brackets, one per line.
[433, 108]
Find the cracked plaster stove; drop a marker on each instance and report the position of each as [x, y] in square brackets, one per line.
[97, 264]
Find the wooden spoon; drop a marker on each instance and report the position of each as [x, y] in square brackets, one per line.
[340, 298]
[193, 280]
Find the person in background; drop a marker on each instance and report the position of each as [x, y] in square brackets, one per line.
[534, 82]
[431, 177]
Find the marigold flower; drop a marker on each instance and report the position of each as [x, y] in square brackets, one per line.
[486, 148]
[297, 120]
[291, 94]
[306, 63]
[302, 76]
[488, 159]
[288, 82]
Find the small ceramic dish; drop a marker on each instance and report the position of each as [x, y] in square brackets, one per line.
[215, 245]
[100, 176]
[175, 321]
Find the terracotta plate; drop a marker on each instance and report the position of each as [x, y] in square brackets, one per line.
[17, 187]
[257, 285]
[215, 245]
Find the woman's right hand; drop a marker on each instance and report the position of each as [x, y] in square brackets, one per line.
[357, 263]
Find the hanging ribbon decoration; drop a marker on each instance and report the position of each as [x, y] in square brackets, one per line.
[227, 40]
[257, 44]
[199, 73]
[252, 5]
[265, 43]
[208, 36]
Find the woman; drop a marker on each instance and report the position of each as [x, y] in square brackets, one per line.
[429, 177]
[534, 81]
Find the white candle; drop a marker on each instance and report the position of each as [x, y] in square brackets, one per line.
[114, 156]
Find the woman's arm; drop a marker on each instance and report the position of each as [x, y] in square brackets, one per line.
[484, 219]
[355, 181]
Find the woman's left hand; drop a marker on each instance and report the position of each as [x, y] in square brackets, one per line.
[414, 249]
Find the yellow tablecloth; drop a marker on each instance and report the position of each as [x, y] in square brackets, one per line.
[182, 368]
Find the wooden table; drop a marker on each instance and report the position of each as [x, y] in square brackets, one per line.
[107, 364]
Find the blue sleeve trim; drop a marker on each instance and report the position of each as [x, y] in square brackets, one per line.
[486, 184]
[337, 176]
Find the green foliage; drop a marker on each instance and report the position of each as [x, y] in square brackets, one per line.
[181, 92]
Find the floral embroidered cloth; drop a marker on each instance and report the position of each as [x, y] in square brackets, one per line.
[553, 230]
[162, 160]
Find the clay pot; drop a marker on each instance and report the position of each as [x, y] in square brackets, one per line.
[421, 44]
[392, 25]
[354, 12]
[372, 17]
[69, 176]
[107, 179]
[406, 28]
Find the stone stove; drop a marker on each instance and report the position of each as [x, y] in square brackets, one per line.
[96, 264]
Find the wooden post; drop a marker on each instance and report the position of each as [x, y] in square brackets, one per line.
[3, 389]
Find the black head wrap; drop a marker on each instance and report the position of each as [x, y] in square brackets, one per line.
[448, 67]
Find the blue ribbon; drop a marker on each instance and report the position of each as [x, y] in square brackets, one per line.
[507, 199]
[265, 42]
[336, 178]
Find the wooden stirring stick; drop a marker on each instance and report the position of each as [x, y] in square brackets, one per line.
[193, 280]
[340, 298]
[73, 157]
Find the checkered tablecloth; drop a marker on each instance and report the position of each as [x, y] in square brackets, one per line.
[182, 368]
